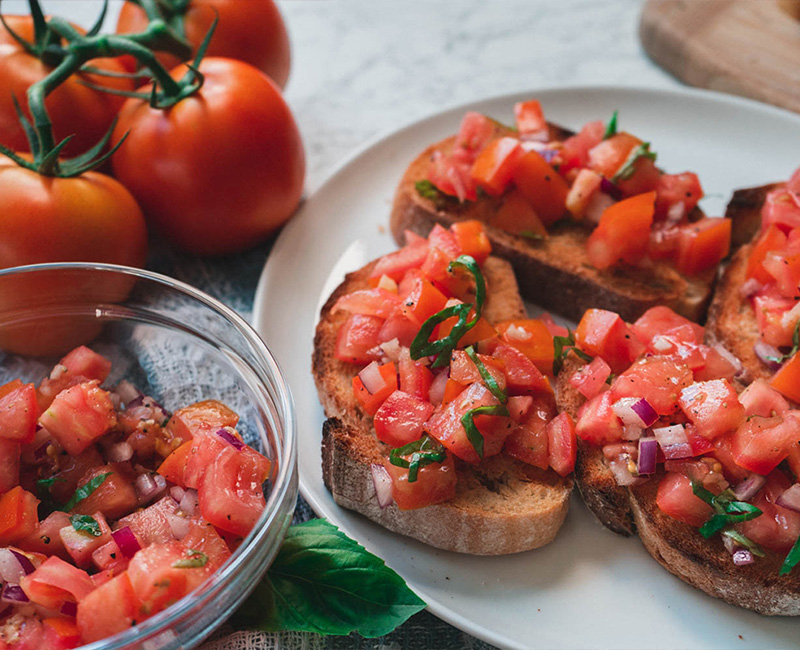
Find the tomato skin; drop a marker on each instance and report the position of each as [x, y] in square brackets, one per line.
[712, 406]
[676, 499]
[562, 443]
[111, 608]
[603, 333]
[400, 418]
[657, 379]
[761, 443]
[252, 31]
[230, 161]
[74, 108]
[435, 483]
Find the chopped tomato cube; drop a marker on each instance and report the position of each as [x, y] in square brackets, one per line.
[677, 188]
[777, 528]
[495, 165]
[452, 389]
[532, 338]
[18, 414]
[472, 240]
[562, 444]
[781, 209]
[110, 609]
[761, 399]
[591, 378]
[529, 117]
[400, 418]
[464, 371]
[61, 633]
[435, 483]
[644, 177]
[18, 517]
[772, 238]
[623, 232]
[784, 269]
[415, 378]
[575, 149]
[80, 365]
[423, 301]
[370, 402]
[80, 545]
[787, 380]
[676, 499]
[603, 333]
[396, 264]
[528, 441]
[703, 244]
[544, 188]
[208, 415]
[522, 376]
[475, 132]
[173, 466]
[659, 380]
[56, 582]
[608, 156]
[516, 215]
[597, 423]
[661, 320]
[151, 524]
[519, 406]
[9, 465]
[712, 406]
[115, 497]
[584, 187]
[397, 326]
[371, 302]
[79, 415]
[762, 442]
[358, 339]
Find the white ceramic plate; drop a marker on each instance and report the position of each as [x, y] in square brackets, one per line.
[590, 588]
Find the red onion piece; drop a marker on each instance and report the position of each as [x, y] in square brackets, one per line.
[749, 288]
[189, 504]
[383, 484]
[119, 452]
[69, 609]
[177, 492]
[5, 612]
[127, 542]
[149, 486]
[764, 352]
[392, 349]
[13, 594]
[790, 498]
[742, 557]
[610, 188]
[648, 451]
[631, 432]
[648, 414]
[622, 473]
[178, 525]
[635, 411]
[749, 487]
[24, 561]
[228, 437]
[673, 442]
[10, 568]
[371, 378]
[127, 391]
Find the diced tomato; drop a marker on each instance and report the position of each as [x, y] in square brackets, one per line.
[644, 177]
[562, 443]
[777, 528]
[495, 165]
[464, 371]
[608, 156]
[474, 133]
[575, 149]
[207, 415]
[370, 402]
[435, 483]
[529, 117]
[554, 328]
[204, 537]
[452, 175]
[677, 188]
[517, 216]
[45, 538]
[532, 338]
[480, 332]
[584, 187]
[528, 441]
[56, 582]
[80, 365]
[716, 366]
[18, 414]
[400, 418]
[71, 469]
[676, 499]
[151, 524]
[787, 380]
[770, 239]
[397, 326]
[597, 423]
[660, 320]
[9, 464]
[444, 240]
[657, 379]
[603, 333]
[231, 492]
[423, 301]
[109, 557]
[156, 581]
[761, 443]
[712, 406]
[60, 634]
[472, 239]
[396, 264]
[703, 244]
[415, 378]
[115, 497]
[110, 609]
[770, 308]
[591, 378]
[519, 406]
[370, 302]
[793, 460]
[544, 188]
[780, 208]
[358, 339]
[79, 415]
[452, 389]
[80, 544]
[522, 376]
[784, 269]
[173, 466]
[759, 398]
[623, 232]
[18, 518]
[724, 454]
[445, 424]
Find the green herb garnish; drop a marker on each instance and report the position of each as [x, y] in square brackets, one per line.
[727, 510]
[791, 559]
[529, 234]
[562, 345]
[468, 422]
[422, 346]
[744, 542]
[795, 345]
[626, 171]
[423, 452]
[491, 382]
[427, 190]
[86, 524]
[85, 490]
[195, 560]
[611, 127]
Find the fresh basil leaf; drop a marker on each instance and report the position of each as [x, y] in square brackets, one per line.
[324, 582]
[611, 127]
[427, 190]
[727, 510]
[795, 345]
[744, 542]
[626, 171]
[195, 560]
[468, 422]
[486, 376]
[529, 234]
[85, 490]
[562, 346]
[792, 559]
[86, 524]
[423, 452]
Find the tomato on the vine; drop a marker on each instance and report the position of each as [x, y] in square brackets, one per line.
[74, 108]
[248, 30]
[219, 170]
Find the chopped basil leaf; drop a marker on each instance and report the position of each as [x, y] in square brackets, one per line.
[85, 490]
[468, 422]
[562, 346]
[423, 452]
[322, 581]
[727, 510]
[529, 234]
[490, 381]
[795, 345]
[195, 560]
[427, 190]
[86, 524]
[791, 559]
[744, 542]
[611, 127]
[626, 171]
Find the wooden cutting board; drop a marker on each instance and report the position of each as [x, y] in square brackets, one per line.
[743, 47]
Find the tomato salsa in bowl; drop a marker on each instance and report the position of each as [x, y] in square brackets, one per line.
[192, 397]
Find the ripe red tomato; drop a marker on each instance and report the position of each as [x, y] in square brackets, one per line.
[219, 171]
[74, 108]
[250, 31]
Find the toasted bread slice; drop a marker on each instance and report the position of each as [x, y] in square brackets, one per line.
[554, 272]
[678, 547]
[501, 505]
[731, 319]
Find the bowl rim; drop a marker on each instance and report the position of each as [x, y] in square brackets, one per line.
[162, 621]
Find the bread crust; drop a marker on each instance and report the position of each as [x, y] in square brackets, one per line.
[501, 505]
[554, 273]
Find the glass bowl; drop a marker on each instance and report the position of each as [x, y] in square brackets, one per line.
[180, 346]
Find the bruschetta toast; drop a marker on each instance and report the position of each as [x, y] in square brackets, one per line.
[474, 498]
